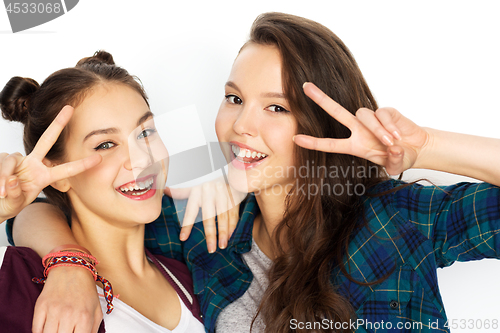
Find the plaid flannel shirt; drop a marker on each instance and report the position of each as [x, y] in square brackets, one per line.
[408, 234]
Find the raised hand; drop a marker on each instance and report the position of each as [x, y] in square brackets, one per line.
[215, 198]
[23, 178]
[384, 136]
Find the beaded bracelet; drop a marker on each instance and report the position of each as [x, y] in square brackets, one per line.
[79, 260]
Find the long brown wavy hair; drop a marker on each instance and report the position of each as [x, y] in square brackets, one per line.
[315, 231]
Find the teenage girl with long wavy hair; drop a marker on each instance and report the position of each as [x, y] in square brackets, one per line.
[344, 242]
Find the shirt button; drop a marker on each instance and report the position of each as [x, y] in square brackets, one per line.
[394, 304]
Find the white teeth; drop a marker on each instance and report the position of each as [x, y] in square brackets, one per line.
[146, 185]
[246, 153]
[236, 150]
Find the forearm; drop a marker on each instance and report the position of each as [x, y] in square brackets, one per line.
[42, 227]
[462, 154]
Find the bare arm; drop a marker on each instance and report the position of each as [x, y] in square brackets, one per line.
[462, 154]
[69, 299]
[389, 139]
[45, 232]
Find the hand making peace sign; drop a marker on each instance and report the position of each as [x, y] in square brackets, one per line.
[384, 136]
[23, 178]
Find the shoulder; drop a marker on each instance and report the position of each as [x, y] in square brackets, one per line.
[19, 266]
[16, 257]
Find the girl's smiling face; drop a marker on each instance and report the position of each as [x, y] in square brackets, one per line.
[254, 123]
[115, 121]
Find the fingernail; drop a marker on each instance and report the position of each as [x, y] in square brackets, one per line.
[182, 236]
[223, 243]
[2, 192]
[395, 153]
[397, 135]
[211, 247]
[13, 183]
[387, 140]
[304, 84]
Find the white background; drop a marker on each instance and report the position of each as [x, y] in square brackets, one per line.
[435, 61]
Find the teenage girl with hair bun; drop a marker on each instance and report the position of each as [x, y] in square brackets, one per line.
[80, 158]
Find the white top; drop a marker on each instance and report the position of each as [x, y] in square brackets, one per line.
[125, 319]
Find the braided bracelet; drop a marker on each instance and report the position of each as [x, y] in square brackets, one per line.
[79, 260]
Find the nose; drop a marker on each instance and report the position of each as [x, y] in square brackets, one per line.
[138, 158]
[246, 122]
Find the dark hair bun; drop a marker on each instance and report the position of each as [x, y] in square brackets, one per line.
[100, 57]
[15, 96]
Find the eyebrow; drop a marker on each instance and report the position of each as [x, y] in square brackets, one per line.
[114, 130]
[265, 95]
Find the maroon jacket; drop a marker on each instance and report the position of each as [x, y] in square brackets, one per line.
[18, 293]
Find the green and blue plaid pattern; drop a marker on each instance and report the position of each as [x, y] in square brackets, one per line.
[408, 234]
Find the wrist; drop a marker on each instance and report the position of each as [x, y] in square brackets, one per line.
[70, 248]
[70, 273]
[425, 156]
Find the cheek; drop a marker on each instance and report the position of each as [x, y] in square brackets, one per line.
[99, 176]
[223, 123]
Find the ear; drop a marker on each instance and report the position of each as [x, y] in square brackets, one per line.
[62, 185]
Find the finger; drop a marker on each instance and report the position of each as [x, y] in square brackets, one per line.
[51, 324]
[167, 191]
[221, 205]
[192, 209]
[8, 168]
[66, 326]
[2, 157]
[97, 321]
[84, 325]
[233, 216]
[368, 119]
[49, 137]
[177, 193]
[71, 169]
[395, 160]
[333, 108]
[340, 146]
[38, 319]
[185, 232]
[14, 192]
[208, 215]
[388, 117]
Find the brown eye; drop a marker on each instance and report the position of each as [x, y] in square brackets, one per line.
[277, 108]
[233, 99]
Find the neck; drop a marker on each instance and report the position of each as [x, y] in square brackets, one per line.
[118, 248]
[272, 209]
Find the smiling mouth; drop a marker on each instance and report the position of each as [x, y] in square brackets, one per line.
[138, 188]
[245, 155]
